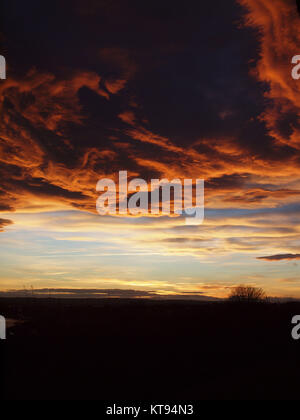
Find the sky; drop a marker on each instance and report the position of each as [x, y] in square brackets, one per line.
[197, 90]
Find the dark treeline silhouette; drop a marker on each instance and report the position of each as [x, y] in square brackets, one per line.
[247, 294]
[142, 349]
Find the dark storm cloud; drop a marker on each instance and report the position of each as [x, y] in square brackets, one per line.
[157, 88]
[233, 181]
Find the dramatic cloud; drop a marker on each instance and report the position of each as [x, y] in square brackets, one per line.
[278, 25]
[63, 127]
[162, 90]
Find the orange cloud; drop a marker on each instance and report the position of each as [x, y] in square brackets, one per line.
[277, 23]
[45, 162]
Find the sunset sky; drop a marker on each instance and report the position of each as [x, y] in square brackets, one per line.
[162, 89]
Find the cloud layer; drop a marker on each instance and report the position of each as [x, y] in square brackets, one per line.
[64, 128]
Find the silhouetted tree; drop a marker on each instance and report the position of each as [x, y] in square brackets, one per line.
[247, 294]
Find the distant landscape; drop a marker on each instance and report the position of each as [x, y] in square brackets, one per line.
[143, 349]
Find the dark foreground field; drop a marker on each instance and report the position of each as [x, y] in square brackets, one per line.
[149, 350]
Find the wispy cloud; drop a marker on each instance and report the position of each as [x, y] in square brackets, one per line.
[3, 223]
[280, 257]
